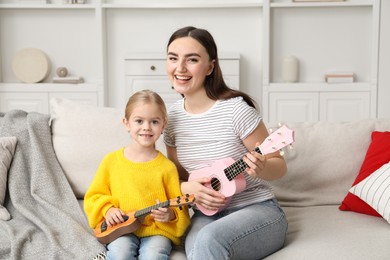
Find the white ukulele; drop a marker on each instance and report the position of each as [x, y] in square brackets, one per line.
[227, 175]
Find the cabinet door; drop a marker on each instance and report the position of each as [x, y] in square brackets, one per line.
[344, 106]
[29, 102]
[293, 107]
[159, 84]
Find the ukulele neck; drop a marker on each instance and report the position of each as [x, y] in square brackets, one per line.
[148, 210]
[237, 167]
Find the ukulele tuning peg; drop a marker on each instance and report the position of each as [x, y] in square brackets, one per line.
[281, 152]
[280, 124]
[291, 147]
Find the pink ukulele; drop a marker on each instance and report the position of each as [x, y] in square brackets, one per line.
[227, 175]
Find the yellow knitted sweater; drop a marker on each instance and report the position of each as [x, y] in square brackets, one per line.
[133, 186]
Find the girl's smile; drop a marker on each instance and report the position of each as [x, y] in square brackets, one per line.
[145, 125]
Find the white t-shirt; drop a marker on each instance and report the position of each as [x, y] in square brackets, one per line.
[201, 139]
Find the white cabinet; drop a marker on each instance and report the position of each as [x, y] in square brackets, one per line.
[148, 71]
[319, 106]
[28, 101]
[325, 37]
[296, 107]
[344, 106]
[36, 97]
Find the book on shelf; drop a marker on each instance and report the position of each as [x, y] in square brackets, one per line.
[69, 79]
[339, 77]
[299, 1]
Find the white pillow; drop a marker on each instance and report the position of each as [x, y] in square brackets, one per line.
[83, 135]
[7, 149]
[375, 191]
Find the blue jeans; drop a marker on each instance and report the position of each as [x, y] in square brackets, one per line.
[252, 232]
[132, 247]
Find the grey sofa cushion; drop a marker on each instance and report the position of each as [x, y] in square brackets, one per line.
[324, 162]
[325, 232]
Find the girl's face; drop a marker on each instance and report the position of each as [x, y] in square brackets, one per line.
[188, 64]
[145, 124]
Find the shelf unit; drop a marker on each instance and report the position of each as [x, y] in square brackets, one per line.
[36, 96]
[284, 33]
[311, 98]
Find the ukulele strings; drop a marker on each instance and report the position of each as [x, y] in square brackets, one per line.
[149, 209]
[239, 166]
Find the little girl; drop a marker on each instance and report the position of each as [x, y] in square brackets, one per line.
[136, 177]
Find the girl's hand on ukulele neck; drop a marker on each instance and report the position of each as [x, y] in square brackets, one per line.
[162, 214]
[114, 216]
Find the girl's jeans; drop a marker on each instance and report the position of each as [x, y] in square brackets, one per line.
[132, 247]
[252, 232]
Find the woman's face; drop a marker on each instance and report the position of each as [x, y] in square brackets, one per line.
[188, 64]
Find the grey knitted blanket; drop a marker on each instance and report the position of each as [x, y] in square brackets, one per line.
[47, 222]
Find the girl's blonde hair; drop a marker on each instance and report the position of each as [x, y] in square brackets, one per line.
[145, 97]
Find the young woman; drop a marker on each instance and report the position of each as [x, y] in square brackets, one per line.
[134, 178]
[210, 123]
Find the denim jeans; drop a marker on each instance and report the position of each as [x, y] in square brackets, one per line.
[252, 232]
[132, 247]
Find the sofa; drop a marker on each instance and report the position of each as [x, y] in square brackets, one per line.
[326, 165]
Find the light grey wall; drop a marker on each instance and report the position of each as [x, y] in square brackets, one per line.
[384, 62]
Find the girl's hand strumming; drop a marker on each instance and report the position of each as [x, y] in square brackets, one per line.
[114, 216]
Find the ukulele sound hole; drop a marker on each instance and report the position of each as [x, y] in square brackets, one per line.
[215, 184]
[104, 225]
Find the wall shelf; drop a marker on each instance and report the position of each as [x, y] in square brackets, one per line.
[320, 87]
[137, 4]
[321, 4]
